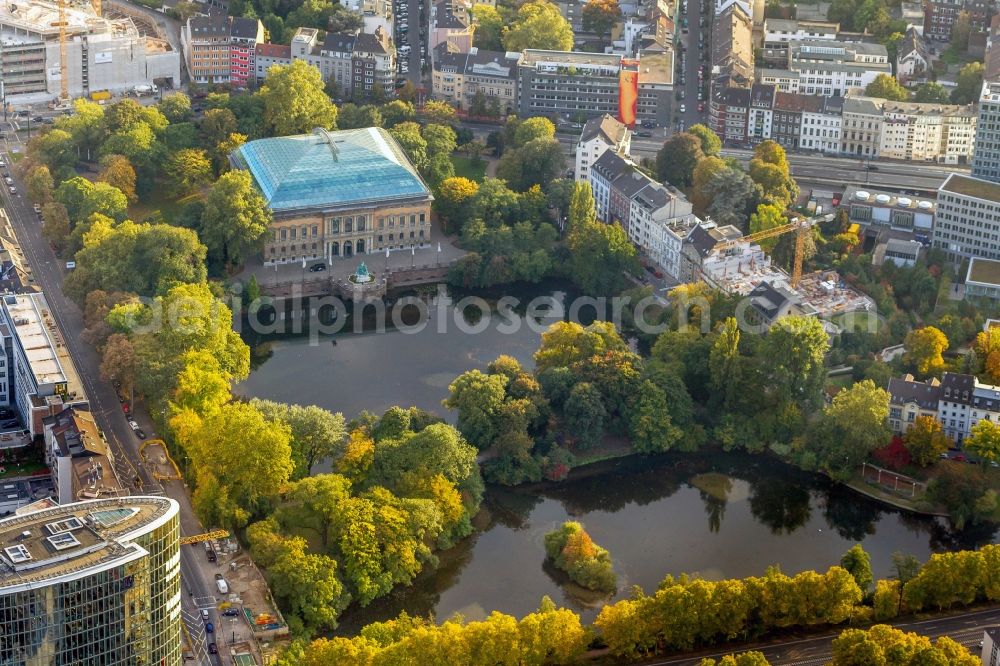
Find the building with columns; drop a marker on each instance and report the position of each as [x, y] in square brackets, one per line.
[337, 194]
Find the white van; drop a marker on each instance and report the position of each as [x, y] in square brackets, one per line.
[222, 585]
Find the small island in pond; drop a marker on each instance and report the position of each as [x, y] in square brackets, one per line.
[571, 549]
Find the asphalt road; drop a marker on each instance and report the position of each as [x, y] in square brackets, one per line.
[48, 272]
[966, 629]
[694, 60]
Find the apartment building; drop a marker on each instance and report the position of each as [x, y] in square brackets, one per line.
[221, 49]
[821, 123]
[760, 113]
[375, 14]
[861, 126]
[599, 136]
[986, 157]
[728, 109]
[451, 23]
[268, 55]
[957, 401]
[940, 16]
[79, 457]
[943, 133]
[357, 62]
[967, 223]
[457, 77]
[817, 67]
[732, 44]
[657, 217]
[654, 97]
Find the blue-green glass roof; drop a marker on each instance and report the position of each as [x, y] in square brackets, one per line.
[330, 169]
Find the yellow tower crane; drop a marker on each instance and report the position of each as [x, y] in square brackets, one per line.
[799, 227]
[63, 54]
[97, 6]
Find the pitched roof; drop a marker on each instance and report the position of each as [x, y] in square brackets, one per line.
[912, 42]
[904, 389]
[606, 127]
[772, 301]
[329, 169]
[495, 64]
[957, 388]
[338, 42]
[447, 15]
[214, 25]
[244, 28]
[266, 50]
[367, 42]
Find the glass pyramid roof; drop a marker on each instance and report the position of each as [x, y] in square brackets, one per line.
[330, 169]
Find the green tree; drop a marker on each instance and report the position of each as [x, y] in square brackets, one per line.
[236, 217]
[584, 414]
[440, 139]
[478, 398]
[187, 171]
[352, 116]
[83, 198]
[882, 644]
[968, 84]
[769, 170]
[39, 184]
[711, 144]
[767, 216]
[925, 440]
[216, 125]
[407, 135]
[531, 129]
[144, 259]
[961, 29]
[924, 348]
[538, 162]
[858, 563]
[437, 112]
[538, 25]
[489, 27]
[55, 225]
[294, 100]
[601, 256]
[886, 86]
[795, 347]
[984, 441]
[397, 111]
[176, 107]
[600, 16]
[118, 362]
[582, 211]
[241, 460]
[932, 92]
[677, 159]
[730, 194]
[317, 434]
[650, 427]
[853, 426]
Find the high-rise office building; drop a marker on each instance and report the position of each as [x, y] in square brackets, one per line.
[986, 154]
[95, 583]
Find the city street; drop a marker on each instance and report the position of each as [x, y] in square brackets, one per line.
[48, 272]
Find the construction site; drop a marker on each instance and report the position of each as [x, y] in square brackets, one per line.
[59, 50]
[740, 265]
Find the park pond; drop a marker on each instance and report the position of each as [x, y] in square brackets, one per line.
[717, 515]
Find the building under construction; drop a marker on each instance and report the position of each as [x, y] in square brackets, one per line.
[101, 53]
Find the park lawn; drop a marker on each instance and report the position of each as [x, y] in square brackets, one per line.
[953, 57]
[157, 200]
[466, 168]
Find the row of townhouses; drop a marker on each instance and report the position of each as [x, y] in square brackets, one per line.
[957, 401]
[862, 126]
[227, 50]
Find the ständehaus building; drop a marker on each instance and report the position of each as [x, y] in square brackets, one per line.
[92, 583]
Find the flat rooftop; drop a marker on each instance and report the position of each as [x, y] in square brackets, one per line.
[42, 342]
[972, 187]
[41, 17]
[533, 57]
[43, 545]
[984, 271]
[883, 199]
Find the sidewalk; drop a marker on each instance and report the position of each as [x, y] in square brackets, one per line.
[342, 267]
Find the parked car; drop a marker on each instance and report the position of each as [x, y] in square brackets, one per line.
[682, 109]
[209, 628]
[13, 190]
[132, 424]
[204, 614]
[8, 180]
[140, 433]
[213, 648]
[38, 209]
[644, 135]
[212, 557]
[231, 612]
[316, 268]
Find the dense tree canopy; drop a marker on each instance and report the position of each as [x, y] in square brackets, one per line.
[295, 101]
[538, 25]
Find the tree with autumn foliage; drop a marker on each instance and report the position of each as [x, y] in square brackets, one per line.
[987, 349]
[601, 16]
[925, 440]
[571, 549]
[924, 349]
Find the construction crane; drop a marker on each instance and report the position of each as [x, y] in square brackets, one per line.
[97, 6]
[63, 54]
[207, 536]
[800, 227]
